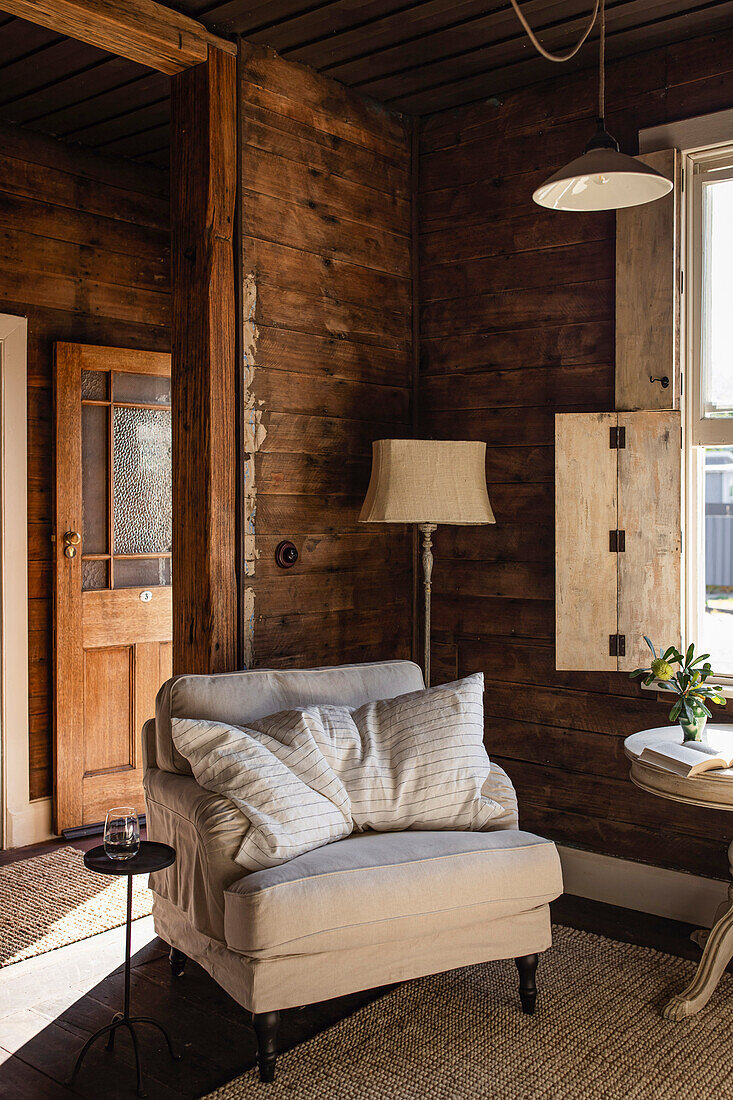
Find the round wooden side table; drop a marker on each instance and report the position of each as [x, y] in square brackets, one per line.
[152, 856]
[715, 790]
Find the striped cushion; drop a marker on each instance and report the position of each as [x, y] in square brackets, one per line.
[275, 774]
[306, 777]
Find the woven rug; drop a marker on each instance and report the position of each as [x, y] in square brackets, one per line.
[596, 1035]
[52, 900]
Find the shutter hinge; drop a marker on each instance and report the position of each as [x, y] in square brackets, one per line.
[617, 645]
[682, 281]
[682, 180]
[617, 439]
[617, 542]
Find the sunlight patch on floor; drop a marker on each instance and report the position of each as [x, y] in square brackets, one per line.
[37, 991]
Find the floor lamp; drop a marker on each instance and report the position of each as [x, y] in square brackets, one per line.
[427, 482]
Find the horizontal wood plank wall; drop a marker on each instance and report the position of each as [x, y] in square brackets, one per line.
[517, 323]
[326, 228]
[84, 255]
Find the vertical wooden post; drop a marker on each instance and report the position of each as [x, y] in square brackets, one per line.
[203, 170]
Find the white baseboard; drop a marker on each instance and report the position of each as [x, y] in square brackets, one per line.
[640, 886]
[29, 825]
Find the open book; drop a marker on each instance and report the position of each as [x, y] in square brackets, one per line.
[690, 759]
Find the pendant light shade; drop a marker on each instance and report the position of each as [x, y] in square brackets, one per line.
[602, 179]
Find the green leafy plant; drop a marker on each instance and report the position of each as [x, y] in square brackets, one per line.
[687, 682]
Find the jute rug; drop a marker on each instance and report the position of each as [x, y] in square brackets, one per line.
[597, 1035]
[52, 900]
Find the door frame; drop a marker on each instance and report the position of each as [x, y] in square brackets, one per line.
[205, 327]
[23, 821]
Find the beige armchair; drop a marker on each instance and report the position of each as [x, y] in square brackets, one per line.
[370, 910]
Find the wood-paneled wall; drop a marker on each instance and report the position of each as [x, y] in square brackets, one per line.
[84, 254]
[326, 269]
[517, 323]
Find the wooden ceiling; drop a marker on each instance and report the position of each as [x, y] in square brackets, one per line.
[425, 57]
[416, 57]
[81, 94]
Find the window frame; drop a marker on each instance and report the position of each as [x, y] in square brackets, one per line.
[699, 431]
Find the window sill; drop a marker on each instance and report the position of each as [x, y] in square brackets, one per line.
[663, 693]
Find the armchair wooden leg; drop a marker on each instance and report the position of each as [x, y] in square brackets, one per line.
[178, 962]
[527, 967]
[266, 1025]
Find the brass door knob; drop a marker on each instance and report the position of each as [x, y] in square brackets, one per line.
[71, 541]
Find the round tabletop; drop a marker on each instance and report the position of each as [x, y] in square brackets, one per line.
[151, 856]
[713, 788]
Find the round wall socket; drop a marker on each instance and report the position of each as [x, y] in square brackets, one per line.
[286, 554]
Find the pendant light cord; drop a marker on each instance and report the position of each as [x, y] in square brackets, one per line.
[546, 53]
[602, 74]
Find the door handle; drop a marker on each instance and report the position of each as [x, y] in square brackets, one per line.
[71, 541]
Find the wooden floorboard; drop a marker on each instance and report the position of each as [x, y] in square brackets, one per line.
[211, 1032]
[626, 925]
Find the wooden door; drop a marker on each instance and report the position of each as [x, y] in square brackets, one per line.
[112, 555]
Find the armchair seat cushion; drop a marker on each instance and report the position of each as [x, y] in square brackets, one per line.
[379, 887]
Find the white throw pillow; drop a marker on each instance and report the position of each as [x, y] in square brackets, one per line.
[276, 776]
[307, 777]
[414, 762]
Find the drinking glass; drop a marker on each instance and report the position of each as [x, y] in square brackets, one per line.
[121, 833]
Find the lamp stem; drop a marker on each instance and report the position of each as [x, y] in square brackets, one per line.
[427, 569]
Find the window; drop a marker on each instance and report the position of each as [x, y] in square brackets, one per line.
[708, 398]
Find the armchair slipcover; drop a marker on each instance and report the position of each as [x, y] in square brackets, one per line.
[370, 910]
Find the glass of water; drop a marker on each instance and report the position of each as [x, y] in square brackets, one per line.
[121, 833]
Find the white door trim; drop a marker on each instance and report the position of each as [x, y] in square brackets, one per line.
[23, 821]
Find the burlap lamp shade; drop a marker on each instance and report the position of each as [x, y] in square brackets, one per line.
[427, 482]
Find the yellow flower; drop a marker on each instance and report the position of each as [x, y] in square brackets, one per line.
[662, 669]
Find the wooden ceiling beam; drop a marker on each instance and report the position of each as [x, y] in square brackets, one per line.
[139, 30]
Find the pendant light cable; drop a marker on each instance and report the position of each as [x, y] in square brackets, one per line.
[538, 45]
[602, 74]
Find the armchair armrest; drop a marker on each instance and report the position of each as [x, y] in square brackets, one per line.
[206, 830]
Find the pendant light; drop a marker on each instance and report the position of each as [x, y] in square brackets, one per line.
[602, 178]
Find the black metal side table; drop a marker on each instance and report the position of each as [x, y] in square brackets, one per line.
[151, 857]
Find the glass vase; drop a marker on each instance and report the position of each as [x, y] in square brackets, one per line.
[694, 730]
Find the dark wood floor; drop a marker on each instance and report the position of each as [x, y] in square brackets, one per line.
[212, 1032]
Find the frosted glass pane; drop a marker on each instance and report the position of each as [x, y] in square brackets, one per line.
[142, 481]
[94, 385]
[142, 572]
[94, 457]
[93, 575]
[717, 329]
[145, 389]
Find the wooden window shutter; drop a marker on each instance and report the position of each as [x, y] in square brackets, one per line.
[585, 511]
[650, 512]
[617, 536]
[648, 292]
